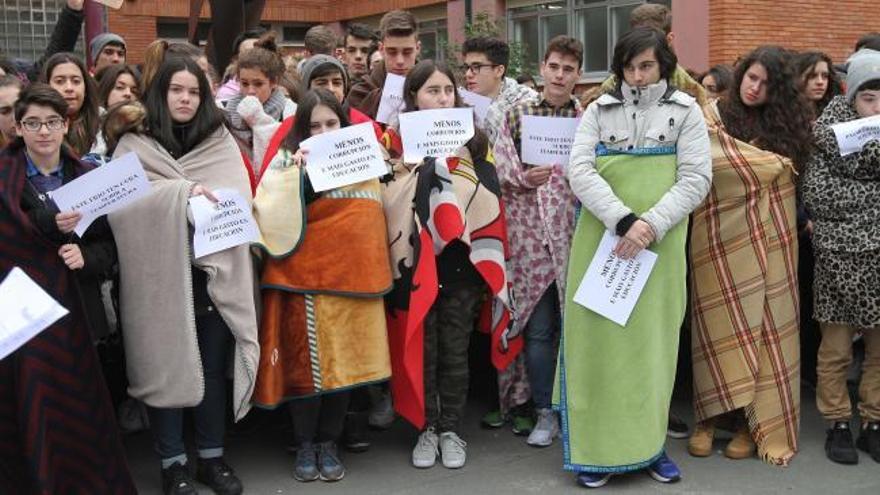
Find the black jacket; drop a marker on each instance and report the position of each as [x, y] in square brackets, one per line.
[97, 245]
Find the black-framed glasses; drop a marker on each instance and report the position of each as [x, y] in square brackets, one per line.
[36, 125]
[475, 68]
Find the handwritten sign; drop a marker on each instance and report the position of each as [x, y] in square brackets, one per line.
[612, 286]
[479, 103]
[345, 156]
[25, 311]
[222, 225]
[392, 98]
[852, 135]
[438, 133]
[547, 140]
[103, 190]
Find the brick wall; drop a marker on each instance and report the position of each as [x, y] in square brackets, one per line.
[738, 26]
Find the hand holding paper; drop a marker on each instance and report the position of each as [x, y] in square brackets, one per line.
[103, 190]
[221, 225]
[612, 285]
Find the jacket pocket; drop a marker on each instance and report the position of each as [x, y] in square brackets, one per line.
[614, 138]
[661, 137]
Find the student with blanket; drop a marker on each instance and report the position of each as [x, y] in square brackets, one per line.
[743, 255]
[843, 194]
[259, 71]
[54, 405]
[448, 243]
[539, 207]
[67, 74]
[182, 315]
[323, 327]
[638, 178]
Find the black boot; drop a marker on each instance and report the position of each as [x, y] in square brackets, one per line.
[869, 440]
[219, 477]
[839, 444]
[354, 436]
[176, 480]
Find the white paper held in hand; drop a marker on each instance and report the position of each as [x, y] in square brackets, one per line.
[222, 225]
[547, 140]
[611, 286]
[103, 190]
[438, 133]
[392, 98]
[852, 136]
[343, 157]
[25, 310]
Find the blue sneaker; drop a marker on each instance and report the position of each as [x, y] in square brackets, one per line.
[306, 467]
[664, 470]
[593, 480]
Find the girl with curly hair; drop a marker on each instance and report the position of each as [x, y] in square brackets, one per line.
[743, 255]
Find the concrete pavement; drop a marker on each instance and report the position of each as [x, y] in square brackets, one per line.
[500, 463]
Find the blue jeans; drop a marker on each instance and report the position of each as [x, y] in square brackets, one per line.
[541, 335]
[210, 415]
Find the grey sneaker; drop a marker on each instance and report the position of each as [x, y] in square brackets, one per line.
[306, 467]
[546, 429]
[453, 450]
[424, 454]
[329, 465]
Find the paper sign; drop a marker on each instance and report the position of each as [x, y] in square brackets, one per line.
[479, 103]
[221, 225]
[612, 286]
[25, 310]
[104, 190]
[345, 156]
[547, 140]
[438, 133]
[113, 4]
[852, 135]
[392, 98]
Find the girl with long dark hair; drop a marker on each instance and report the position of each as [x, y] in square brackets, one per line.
[177, 339]
[323, 329]
[68, 75]
[743, 252]
[816, 79]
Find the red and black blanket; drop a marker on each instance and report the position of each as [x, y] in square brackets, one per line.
[58, 431]
[426, 208]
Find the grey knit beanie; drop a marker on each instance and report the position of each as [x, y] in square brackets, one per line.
[311, 64]
[101, 40]
[862, 67]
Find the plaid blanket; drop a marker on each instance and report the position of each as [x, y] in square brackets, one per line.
[426, 208]
[743, 251]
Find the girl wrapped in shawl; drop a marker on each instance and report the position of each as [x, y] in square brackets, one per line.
[259, 71]
[448, 243]
[638, 178]
[323, 328]
[181, 315]
[743, 255]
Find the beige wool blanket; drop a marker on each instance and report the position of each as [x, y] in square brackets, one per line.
[153, 238]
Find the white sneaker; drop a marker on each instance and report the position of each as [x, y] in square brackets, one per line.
[425, 453]
[382, 413]
[546, 429]
[453, 451]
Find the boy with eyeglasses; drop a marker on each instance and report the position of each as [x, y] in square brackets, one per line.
[539, 207]
[485, 69]
[52, 385]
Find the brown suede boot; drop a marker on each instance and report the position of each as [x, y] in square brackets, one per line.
[700, 442]
[741, 446]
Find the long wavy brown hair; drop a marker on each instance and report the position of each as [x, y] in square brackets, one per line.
[84, 125]
[782, 124]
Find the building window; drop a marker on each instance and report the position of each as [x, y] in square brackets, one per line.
[597, 23]
[27, 26]
[434, 38]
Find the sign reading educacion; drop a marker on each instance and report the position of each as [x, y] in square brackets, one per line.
[343, 157]
[438, 133]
